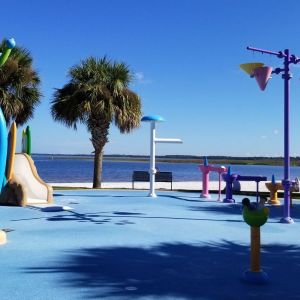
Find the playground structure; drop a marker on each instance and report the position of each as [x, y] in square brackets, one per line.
[19, 181]
[257, 180]
[153, 140]
[10, 44]
[262, 75]
[23, 185]
[255, 218]
[37, 191]
[206, 169]
[274, 187]
[231, 178]
[26, 140]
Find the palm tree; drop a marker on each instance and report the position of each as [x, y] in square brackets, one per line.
[19, 86]
[97, 95]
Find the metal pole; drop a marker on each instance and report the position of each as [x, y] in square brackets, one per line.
[153, 140]
[152, 169]
[286, 76]
[286, 181]
[219, 194]
[278, 53]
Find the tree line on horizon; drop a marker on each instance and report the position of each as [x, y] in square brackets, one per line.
[177, 156]
[220, 160]
[97, 94]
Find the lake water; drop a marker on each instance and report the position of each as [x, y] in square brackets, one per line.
[76, 170]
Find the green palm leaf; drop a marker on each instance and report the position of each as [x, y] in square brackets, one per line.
[19, 86]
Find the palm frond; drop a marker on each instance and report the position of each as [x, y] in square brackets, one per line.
[19, 86]
[98, 90]
[127, 111]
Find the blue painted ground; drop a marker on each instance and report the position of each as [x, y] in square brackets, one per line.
[124, 245]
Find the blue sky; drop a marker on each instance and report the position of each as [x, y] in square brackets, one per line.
[185, 56]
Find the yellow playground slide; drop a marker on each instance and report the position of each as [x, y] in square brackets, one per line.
[38, 192]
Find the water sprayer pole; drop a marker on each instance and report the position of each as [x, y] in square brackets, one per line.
[153, 140]
[286, 182]
[152, 170]
[286, 77]
[255, 249]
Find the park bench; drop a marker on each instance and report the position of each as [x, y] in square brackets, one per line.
[145, 177]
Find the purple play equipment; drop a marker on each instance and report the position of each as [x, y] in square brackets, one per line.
[257, 179]
[206, 168]
[262, 78]
[230, 178]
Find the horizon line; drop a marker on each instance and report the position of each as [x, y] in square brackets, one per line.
[166, 155]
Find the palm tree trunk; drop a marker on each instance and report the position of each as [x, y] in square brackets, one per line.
[98, 158]
[99, 128]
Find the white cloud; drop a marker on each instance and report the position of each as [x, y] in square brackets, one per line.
[263, 137]
[140, 78]
[275, 131]
[139, 75]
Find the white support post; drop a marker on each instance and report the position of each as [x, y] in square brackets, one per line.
[152, 170]
[153, 140]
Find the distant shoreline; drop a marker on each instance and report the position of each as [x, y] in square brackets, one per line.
[218, 160]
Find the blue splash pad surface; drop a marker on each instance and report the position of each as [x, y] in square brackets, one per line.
[125, 245]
